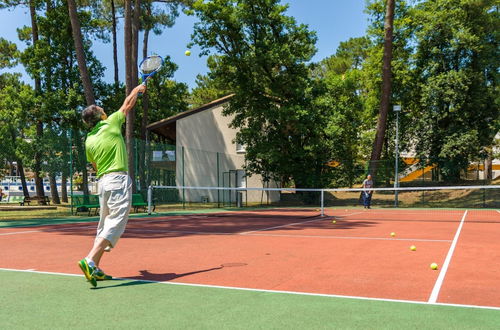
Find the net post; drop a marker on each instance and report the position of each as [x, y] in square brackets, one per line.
[322, 203]
[150, 199]
[183, 180]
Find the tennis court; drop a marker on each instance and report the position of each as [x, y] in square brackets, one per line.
[347, 254]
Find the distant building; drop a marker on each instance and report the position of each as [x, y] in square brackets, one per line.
[207, 156]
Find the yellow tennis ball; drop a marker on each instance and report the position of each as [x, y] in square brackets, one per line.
[334, 221]
[393, 234]
[187, 53]
[413, 248]
[434, 266]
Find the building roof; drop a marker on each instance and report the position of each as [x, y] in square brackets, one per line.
[166, 127]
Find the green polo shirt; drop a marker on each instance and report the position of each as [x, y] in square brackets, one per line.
[105, 145]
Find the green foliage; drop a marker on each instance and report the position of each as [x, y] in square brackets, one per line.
[16, 98]
[8, 53]
[262, 56]
[209, 87]
[456, 64]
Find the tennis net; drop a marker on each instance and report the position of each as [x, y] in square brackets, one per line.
[415, 203]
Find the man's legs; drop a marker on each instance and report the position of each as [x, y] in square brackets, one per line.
[97, 250]
[115, 199]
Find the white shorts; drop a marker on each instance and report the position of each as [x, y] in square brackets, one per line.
[115, 198]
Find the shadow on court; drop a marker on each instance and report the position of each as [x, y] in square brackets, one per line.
[147, 277]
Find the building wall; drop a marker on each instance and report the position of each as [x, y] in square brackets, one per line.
[206, 157]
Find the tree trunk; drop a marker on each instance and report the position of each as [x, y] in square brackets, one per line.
[87, 85]
[145, 114]
[488, 168]
[132, 38]
[80, 53]
[115, 47]
[38, 88]
[53, 189]
[127, 33]
[81, 161]
[386, 89]
[64, 189]
[38, 161]
[20, 169]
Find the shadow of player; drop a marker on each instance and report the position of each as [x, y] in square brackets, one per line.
[147, 277]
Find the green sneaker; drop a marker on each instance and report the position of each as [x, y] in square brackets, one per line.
[88, 272]
[101, 276]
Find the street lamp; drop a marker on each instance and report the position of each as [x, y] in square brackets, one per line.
[397, 110]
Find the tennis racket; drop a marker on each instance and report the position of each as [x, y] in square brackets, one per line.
[149, 66]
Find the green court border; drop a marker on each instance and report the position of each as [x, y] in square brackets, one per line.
[43, 301]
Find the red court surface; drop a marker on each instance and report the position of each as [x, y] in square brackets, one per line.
[270, 250]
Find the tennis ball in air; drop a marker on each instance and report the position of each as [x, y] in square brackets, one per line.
[187, 53]
[393, 234]
[334, 221]
[434, 266]
[413, 248]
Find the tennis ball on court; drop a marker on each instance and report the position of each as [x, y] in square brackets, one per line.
[413, 248]
[187, 53]
[393, 234]
[434, 266]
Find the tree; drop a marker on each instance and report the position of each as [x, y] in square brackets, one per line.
[262, 56]
[208, 87]
[8, 53]
[80, 53]
[53, 61]
[456, 63]
[16, 99]
[386, 88]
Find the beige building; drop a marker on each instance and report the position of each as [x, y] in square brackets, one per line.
[207, 156]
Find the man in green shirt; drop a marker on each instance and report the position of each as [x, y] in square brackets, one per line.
[106, 151]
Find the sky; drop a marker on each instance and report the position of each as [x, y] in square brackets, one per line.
[333, 20]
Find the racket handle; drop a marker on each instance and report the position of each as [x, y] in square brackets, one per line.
[144, 84]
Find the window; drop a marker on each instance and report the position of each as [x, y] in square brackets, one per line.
[240, 147]
[241, 179]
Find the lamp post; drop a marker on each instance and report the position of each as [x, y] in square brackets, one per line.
[397, 110]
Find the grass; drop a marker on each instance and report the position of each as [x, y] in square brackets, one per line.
[61, 212]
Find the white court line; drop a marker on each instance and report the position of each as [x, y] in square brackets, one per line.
[285, 235]
[268, 291]
[498, 211]
[327, 217]
[179, 231]
[286, 225]
[20, 232]
[444, 269]
[351, 237]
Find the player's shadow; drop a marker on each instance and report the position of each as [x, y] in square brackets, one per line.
[147, 277]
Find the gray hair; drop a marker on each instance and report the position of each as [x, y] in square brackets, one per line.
[91, 115]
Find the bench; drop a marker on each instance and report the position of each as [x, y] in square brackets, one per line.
[139, 202]
[82, 203]
[28, 200]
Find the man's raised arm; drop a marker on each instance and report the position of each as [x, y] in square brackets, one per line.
[129, 102]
